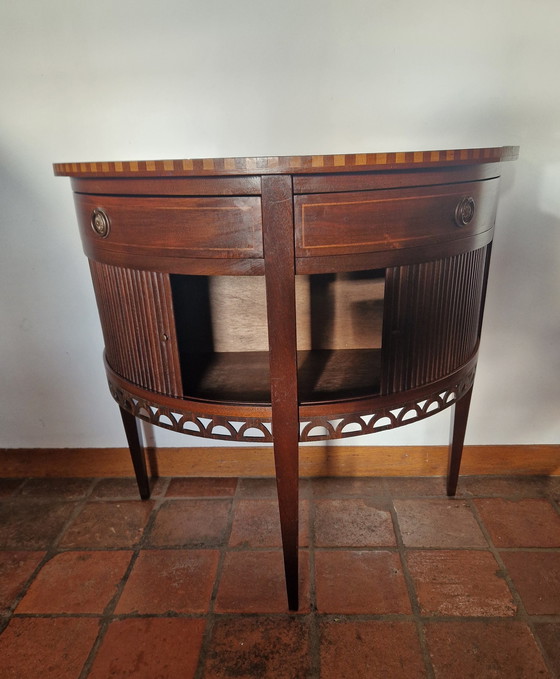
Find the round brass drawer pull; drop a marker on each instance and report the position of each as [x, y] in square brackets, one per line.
[464, 212]
[100, 222]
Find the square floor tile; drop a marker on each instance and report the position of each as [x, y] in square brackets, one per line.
[372, 649]
[8, 487]
[256, 523]
[484, 650]
[536, 576]
[438, 523]
[554, 487]
[125, 488]
[353, 522]
[360, 582]
[254, 582]
[149, 648]
[201, 487]
[76, 582]
[505, 486]
[170, 581]
[257, 488]
[15, 569]
[462, 583]
[263, 647]
[46, 648]
[265, 487]
[31, 524]
[107, 525]
[190, 523]
[56, 488]
[417, 486]
[549, 636]
[338, 487]
[520, 523]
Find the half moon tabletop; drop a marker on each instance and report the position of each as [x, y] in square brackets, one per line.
[290, 298]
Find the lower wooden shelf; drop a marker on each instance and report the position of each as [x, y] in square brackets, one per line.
[244, 377]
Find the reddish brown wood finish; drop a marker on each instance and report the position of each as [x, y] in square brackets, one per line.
[458, 430]
[181, 227]
[137, 319]
[381, 179]
[432, 318]
[425, 219]
[169, 186]
[278, 238]
[350, 162]
[134, 440]
[357, 222]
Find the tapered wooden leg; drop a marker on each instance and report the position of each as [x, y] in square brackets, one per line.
[286, 459]
[278, 242]
[136, 452]
[459, 426]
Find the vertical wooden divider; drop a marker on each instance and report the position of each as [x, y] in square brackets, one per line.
[278, 242]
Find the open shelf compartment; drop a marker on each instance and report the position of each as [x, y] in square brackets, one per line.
[223, 342]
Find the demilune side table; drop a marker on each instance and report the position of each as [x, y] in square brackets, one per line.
[288, 299]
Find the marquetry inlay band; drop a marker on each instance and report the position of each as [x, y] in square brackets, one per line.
[286, 164]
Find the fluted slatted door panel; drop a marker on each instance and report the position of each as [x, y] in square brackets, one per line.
[432, 317]
[138, 324]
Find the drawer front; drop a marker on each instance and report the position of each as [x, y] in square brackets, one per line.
[228, 227]
[370, 221]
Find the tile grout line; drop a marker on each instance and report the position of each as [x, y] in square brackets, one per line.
[521, 612]
[51, 549]
[522, 615]
[15, 492]
[411, 589]
[210, 614]
[314, 618]
[107, 617]
[88, 663]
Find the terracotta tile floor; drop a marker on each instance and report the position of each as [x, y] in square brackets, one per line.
[396, 580]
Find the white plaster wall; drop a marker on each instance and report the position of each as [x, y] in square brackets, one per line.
[137, 79]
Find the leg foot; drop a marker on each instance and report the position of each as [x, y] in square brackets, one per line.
[136, 453]
[460, 416]
[289, 522]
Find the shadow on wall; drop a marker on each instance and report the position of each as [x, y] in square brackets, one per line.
[40, 292]
[522, 327]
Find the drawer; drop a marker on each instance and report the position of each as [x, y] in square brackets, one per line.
[136, 226]
[370, 221]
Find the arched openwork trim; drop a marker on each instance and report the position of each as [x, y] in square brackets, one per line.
[252, 430]
[316, 428]
[320, 428]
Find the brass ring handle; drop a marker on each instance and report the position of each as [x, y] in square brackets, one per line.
[464, 212]
[100, 222]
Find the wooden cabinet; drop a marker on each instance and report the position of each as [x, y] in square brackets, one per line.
[290, 299]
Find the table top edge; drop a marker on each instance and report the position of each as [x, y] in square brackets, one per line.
[350, 162]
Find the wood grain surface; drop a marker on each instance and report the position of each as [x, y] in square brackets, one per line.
[357, 162]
